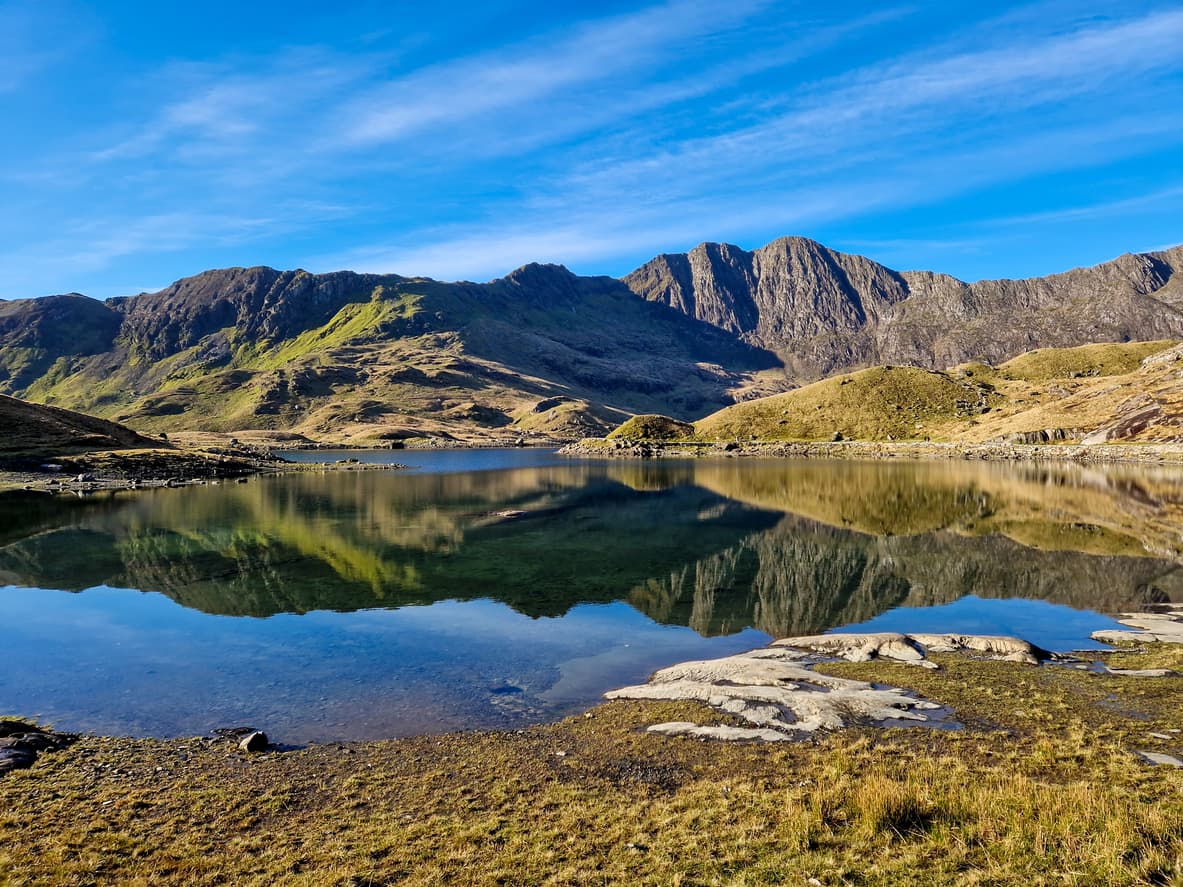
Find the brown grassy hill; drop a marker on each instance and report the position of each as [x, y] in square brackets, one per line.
[369, 357]
[1092, 394]
[31, 429]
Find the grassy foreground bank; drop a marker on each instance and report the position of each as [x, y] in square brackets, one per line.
[1042, 786]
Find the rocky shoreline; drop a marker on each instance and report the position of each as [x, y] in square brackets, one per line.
[1034, 775]
[855, 450]
[142, 469]
[777, 694]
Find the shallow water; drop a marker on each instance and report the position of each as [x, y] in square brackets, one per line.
[494, 588]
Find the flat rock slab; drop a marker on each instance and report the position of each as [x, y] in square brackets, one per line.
[1139, 672]
[1159, 759]
[20, 744]
[779, 696]
[1165, 627]
[914, 648]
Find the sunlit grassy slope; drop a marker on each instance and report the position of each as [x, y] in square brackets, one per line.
[369, 358]
[1129, 391]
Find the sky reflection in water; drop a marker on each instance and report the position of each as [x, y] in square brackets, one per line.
[366, 604]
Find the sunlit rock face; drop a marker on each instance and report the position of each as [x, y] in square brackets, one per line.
[825, 311]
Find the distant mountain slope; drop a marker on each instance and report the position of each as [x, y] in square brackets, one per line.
[36, 333]
[259, 348]
[34, 429]
[823, 310]
[378, 357]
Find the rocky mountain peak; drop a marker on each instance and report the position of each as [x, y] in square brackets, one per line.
[539, 282]
[823, 310]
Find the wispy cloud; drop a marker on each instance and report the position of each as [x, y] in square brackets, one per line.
[1103, 209]
[888, 105]
[595, 140]
[845, 147]
[474, 87]
[222, 111]
[36, 36]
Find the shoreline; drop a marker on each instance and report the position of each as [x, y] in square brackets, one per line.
[1025, 774]
[1041, 765]
[1036, 778]
[185, 466]
[878, 450]
[118, 470]
[1160, 626]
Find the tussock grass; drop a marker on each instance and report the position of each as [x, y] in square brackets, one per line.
[881, 403]
[1069, 391]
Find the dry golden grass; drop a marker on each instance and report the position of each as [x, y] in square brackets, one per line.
[1072, 390]
[1042, 787]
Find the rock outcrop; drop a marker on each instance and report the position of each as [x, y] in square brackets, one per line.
[824, 311]
[1164, 626]
[777, 692]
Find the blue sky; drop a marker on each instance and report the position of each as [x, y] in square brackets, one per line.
[148, 141]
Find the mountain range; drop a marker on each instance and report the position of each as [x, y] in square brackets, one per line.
[374, 357]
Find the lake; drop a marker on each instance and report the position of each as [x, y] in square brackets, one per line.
[498, 588]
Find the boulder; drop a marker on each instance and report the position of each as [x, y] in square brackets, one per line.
[253, 742]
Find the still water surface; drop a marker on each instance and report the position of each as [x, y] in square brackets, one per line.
[498, 588]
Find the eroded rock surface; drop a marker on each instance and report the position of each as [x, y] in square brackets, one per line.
[1165, 626]
[911, 648]
[20, 743]
[777, 692]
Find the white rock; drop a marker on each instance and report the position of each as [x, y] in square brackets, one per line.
[718, 731]
[1159, 759]
[1165, 627]
[911, 648]
[775, 694]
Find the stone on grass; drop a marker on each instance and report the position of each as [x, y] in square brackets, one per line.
[256, 741]
[1159, 759]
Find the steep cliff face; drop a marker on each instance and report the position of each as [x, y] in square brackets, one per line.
[793, 296]
[260, 304]
[824, 311]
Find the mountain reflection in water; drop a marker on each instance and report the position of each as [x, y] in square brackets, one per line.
[784, 547]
